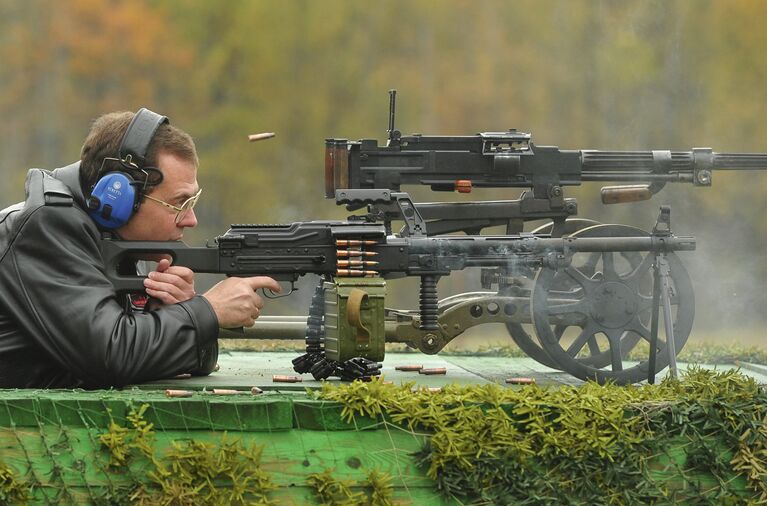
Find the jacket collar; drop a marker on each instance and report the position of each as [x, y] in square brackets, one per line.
[70, 176]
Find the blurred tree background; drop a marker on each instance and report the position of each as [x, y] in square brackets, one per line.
[591, 74]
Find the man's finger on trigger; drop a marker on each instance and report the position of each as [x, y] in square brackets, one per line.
[267, 283]
[257, 282]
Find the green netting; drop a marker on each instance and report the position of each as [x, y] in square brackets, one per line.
[76, 447]
[700, 440]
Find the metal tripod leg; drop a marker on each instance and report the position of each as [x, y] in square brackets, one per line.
[654, 321]
[661, 293]
[665, 287]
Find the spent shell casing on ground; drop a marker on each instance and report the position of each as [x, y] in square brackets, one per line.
[227, 391]
[178, 393]
[520, 381]
[281, 378]
[354, 242]
[409, 367]
[256, 391]
[433, 371]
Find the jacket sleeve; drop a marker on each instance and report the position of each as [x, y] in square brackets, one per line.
[55, 281]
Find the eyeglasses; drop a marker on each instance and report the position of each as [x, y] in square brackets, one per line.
[183, 210]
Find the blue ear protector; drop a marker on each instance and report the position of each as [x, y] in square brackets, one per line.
[113, 200]
[116, 196]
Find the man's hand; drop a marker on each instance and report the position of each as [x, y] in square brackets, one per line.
[236, 302]
[170, 284]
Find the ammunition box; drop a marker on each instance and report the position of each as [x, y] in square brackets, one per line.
[354, 318]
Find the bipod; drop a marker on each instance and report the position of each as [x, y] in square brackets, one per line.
[661, 293]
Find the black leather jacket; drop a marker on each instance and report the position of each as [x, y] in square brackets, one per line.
[61, 322]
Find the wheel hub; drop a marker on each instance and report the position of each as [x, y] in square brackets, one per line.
[614, 305]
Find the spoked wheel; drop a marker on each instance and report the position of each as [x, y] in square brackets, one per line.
[608, 311]
[520, 333]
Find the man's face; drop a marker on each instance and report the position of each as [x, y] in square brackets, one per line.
[154, 221]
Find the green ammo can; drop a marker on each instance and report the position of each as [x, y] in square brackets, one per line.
[354, 318]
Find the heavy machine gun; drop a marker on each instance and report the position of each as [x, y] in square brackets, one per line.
[511, 160]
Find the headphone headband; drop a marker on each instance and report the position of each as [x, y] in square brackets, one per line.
[135, 142]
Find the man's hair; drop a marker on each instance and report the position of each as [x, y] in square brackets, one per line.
[104, 140]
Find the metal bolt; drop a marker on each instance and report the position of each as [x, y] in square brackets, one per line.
[704, 177]
[430, 341]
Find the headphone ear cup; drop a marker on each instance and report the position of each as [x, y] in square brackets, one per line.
[113, 200]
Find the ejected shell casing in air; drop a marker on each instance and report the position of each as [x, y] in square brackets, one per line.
[357, 263]
[354, 242]
[341, 253]
[355, 273]
[260, 137]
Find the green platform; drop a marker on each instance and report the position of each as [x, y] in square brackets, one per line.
[52, 437]
[299, 436]
[240, 369]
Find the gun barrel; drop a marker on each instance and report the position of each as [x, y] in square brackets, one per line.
[634, 161]
[740, 161]
[659, 167]
[663, 165]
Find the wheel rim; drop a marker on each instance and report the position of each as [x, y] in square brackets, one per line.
[615, 312]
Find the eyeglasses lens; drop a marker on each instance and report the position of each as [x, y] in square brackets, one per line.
[186, 207]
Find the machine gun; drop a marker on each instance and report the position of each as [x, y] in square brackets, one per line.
[354, 258]
[511, 160]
